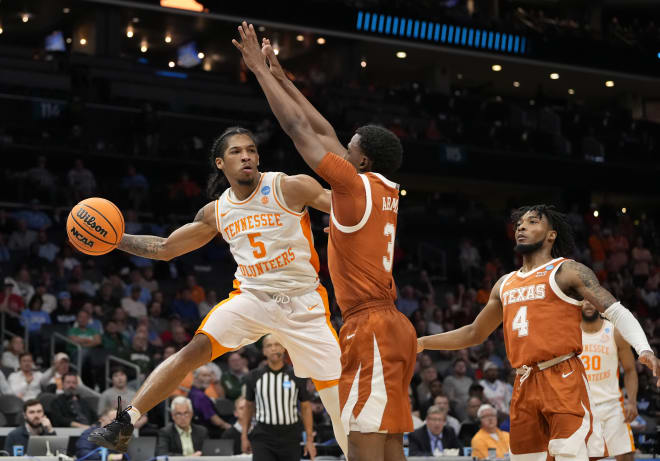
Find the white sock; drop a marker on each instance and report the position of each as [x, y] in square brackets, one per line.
[134, 413]
[330, 398]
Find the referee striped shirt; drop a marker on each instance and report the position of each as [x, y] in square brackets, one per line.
[276, 395]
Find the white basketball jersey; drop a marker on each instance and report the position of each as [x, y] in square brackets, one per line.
[271, 244]
[601, 363]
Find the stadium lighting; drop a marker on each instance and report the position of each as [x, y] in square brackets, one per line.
[207, 65]
[129, 32]
[262, 28]
[363, 63]
[609, 83]
[658, 54]
[320, 41]
[171, 64]
[401, 54]
[25, 17]
[69, 40]
[496, 67]
[596, 213]
[201, 55]
[571, 91]
[168, 38]
[554, 76]
[83, 41]
[403, 192]
[516, 84]
[1, 30]
[143, 46]
[624, 210]
[66, 10]
[276, 50]
[300, 38]
[459, 76]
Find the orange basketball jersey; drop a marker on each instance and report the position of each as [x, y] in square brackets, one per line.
[360, 256]
[540, 321]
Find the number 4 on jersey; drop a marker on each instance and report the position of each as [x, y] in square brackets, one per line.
[520, 322]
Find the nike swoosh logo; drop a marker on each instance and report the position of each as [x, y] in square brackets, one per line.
[350, 336]
[310, 308]
[566, 375]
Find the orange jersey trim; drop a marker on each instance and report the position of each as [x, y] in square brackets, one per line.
[254, 192]
[305, 225]
[218, 349]
[324, 296]
[295, 213]
[320, 385]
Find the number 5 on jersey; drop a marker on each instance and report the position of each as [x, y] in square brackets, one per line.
[520, 322]
[260, 250]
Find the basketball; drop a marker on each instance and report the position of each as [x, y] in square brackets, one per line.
[95, 226]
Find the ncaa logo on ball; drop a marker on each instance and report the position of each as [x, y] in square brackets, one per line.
[81, 238]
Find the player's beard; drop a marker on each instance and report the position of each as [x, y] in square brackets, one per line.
[247, 182]
[590, 318]
[527, 248]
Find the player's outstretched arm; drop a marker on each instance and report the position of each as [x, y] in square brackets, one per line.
[320, 125]
[302, 190]
[185, 239]
[576, 277]
[470, 335]
[630, 379]
[286, 110]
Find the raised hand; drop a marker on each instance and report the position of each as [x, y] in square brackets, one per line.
[651, 361]
[274, 63]
[249, 47]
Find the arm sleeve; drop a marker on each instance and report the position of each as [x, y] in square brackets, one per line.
[348, 193]
[628, 326]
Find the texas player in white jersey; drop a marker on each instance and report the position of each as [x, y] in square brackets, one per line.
[264, 219]
[603, 348]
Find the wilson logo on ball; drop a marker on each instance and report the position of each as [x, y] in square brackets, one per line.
[81, 238]
[90, 221]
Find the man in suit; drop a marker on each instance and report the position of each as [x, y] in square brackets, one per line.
[181, 438]
[434, 436]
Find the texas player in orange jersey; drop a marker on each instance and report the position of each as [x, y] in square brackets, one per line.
[378, 343]
[540, 305]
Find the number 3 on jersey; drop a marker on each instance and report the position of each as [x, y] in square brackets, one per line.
[388, 259]
[520, 322]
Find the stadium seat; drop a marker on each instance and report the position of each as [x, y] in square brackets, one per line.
[3, 420]
[12, 407]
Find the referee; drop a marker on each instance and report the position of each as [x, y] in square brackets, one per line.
[274, 390]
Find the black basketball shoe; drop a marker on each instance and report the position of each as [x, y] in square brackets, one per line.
[117, 434]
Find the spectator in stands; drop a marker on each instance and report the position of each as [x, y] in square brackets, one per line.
[26, 382]
[641, 261]
[140, 354]
[495, 390]
[34, 218]
[456, 388]
[105, 298]
[41, 181]
[4, 385]
[69, 409]
[22, 238]
[156, 322]
[407, 302]
[489, 436]
[51, 381]
[177, 335]
[436, 390]
[43, 249]
[207, 304]
[181, 438]
[48, 299]
[184, 305]
[12, 305]
[197, 293]
[136, 187]
[469, 261]
[435, 326]
[428, 375]
[491, 354]
[232, 379]
[83, 334]
[433, 437]
[33, 318]
[138, 280]
[471, 424]
[597, 246]
[234, 432]
[119, 388]
[10, 357]
[184, 192]
[153, 337]
[132, 304]
[24, 284]
[84, 447]
[442, 402]
[64, 314]
[114, 342]
[81, 181]
[204, 409]
[36, 423]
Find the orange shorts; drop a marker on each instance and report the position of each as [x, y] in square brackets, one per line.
[379, 349]
[551, 412]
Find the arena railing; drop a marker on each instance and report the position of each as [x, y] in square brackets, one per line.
[79, 350]
[126, 363]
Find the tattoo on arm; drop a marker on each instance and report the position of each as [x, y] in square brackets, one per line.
[590, 281]
[147, 246]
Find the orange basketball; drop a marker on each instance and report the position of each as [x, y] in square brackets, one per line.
[95, 226]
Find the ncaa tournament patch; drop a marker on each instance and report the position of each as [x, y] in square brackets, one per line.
[265, 190]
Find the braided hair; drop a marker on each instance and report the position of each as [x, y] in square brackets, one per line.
[564, 243]
[217, 180]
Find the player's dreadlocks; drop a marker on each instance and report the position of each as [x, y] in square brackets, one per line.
[217, 180]
[565, 242]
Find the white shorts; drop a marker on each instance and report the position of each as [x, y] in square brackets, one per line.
[617, 435]
[300, 323]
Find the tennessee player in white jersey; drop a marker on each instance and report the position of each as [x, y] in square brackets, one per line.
[603, 348]
[539, 307]
[264, 219]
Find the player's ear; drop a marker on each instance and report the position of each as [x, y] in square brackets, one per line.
[365, 163]
[219, 162]
[552, 235]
